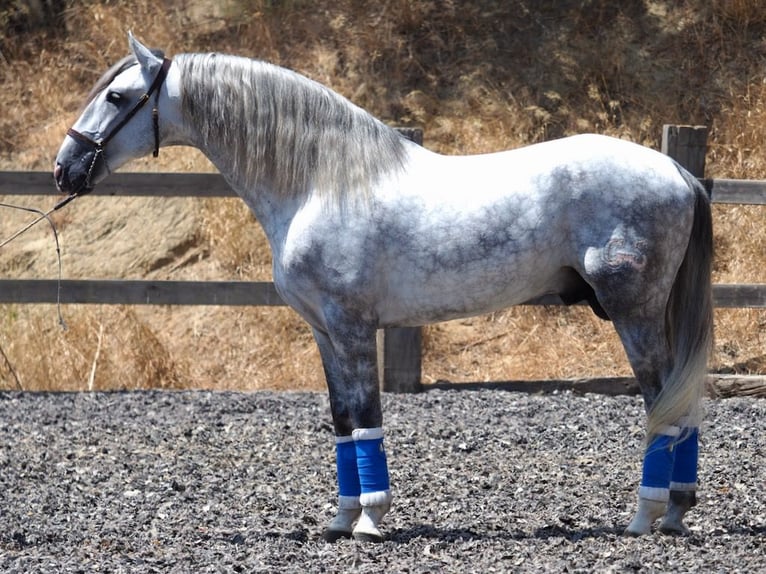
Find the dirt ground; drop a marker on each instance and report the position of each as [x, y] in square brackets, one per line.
[483, 481]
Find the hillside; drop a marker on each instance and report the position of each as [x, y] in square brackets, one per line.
[485, 76]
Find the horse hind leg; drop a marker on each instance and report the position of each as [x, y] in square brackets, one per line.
[683, 485]
[669, 467]
[646, 346]
[672, 459]
[659, 298]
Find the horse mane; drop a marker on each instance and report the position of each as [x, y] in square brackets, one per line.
[284, 130]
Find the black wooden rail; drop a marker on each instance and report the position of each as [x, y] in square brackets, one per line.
[399, 348]
[233, 293]
[732, 191]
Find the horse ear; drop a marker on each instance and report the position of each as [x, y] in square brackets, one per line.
[148, 60]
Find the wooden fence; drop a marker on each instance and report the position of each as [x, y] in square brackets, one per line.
[399, 348]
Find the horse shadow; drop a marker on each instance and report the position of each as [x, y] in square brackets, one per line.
[441, 535]
[450, 535]
[405, 535]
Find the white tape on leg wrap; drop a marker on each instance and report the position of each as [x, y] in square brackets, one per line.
[379, 498]
[654, 493]
[684, 486]
[367, 434]
[669, 430]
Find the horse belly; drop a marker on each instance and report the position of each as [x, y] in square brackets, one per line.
[432, 292]
[459, 254]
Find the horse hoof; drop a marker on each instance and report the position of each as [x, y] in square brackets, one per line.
[672, 528]
[367, 528]
[680, 503]
[375, 537]
[638, 527]
[648, 511]
[342, 524]
[332, 536]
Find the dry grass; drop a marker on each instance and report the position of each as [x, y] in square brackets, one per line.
[477, 76]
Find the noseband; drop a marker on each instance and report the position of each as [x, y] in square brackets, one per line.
[98, 145]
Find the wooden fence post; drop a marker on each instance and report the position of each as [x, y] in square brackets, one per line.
[687, 145]
[399, 359]
[399, 349]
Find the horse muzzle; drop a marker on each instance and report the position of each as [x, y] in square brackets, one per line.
[70, 183]
[77, 171]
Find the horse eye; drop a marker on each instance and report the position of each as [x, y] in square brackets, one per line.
[113, 98]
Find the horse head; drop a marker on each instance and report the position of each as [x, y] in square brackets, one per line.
[120, 121]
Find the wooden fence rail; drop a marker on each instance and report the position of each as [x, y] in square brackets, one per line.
[399, 348]
[731, 191]
[245, 293]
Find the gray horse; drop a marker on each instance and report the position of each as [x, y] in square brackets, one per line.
[369, 230]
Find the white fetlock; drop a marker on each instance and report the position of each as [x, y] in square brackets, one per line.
[342, 524]
[648, 511]
[367, 528]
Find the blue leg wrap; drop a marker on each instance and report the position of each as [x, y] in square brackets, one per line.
[658, 468]
[371, 460]
[685, 466]
[658, 462]
[348, 474]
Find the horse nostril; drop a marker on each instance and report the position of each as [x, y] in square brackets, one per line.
[58, 176]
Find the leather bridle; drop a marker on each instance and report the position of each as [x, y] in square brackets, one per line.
[154, 89]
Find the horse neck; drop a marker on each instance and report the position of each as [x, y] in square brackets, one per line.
[184, 129]
[273, 210]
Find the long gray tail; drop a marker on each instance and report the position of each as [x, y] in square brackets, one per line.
[689, 322]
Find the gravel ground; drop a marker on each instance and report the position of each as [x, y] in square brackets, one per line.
[484, 481]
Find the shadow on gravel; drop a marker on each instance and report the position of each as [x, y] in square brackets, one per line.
[573, 534]
[739, 530]
[455, 535]
[295, 535]
[610, 386]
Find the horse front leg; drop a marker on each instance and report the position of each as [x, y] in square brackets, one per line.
[364, 494]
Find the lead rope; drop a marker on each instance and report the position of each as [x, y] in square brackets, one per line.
[46, 216]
